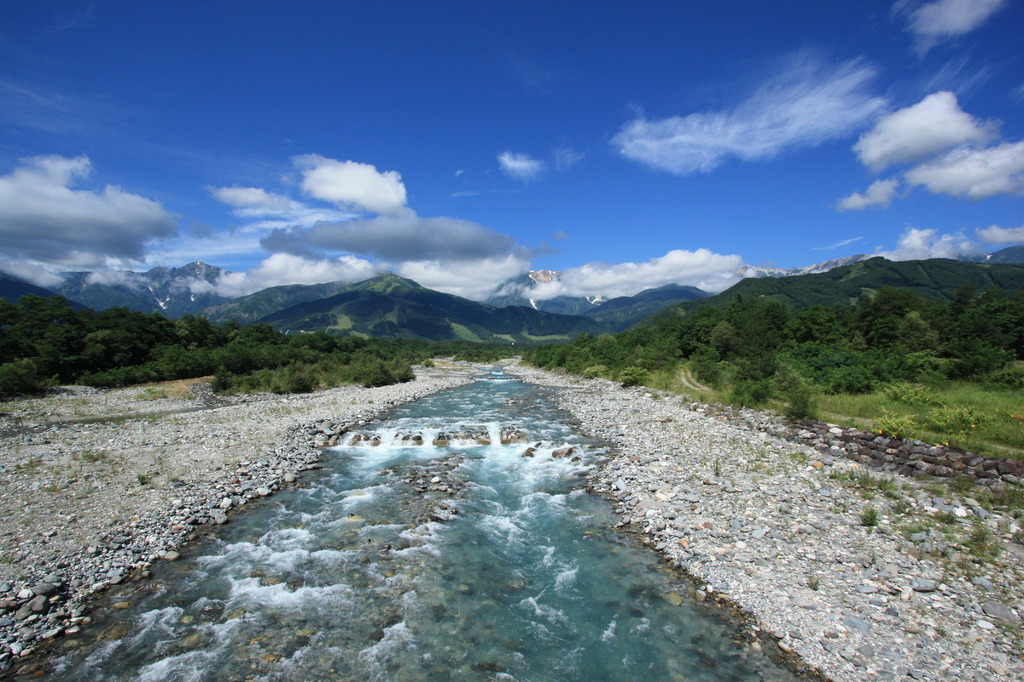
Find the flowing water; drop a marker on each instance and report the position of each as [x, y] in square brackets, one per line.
[427, 550]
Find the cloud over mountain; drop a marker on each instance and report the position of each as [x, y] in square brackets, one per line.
[394, 238]
[701, 268]
[43, 217]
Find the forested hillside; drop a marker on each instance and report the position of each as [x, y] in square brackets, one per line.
[759, 350]
[935, 278]
[44, 342]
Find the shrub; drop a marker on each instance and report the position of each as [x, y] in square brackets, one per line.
[895, 426]
[869, 517]
[632, 376]
[751, 393]
[1010, 377]
[20, 377]
[962, 419]
[906, 392]
[800, 399]
[595, 371]
[850, 380]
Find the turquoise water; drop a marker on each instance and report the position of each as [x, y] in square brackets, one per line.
[409, 561]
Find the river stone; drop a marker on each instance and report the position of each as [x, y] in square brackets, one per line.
[855, 624]
[923, 585]
[44, 589]
[984, 583]
[999, 611]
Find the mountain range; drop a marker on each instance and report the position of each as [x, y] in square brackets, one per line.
[935, 278]
[391, 306]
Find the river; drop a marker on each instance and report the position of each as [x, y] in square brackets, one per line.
[425, 550]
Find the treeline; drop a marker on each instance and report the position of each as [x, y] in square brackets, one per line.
[759, 349]
[45, 342]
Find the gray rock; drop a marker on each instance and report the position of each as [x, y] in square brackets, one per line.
[984, 583]
[44, 589]
[856, 624]
[924, 585]
[999, 611]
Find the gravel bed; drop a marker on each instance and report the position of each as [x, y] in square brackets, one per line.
[862, 575]
[99, 484]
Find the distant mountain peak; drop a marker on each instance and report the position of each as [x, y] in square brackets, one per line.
[544, 276]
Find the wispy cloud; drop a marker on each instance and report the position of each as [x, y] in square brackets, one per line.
[838, 245]
[808, 103]
[520, 166]
[567, 157]
[933, 22]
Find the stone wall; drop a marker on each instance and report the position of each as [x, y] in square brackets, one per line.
[906, 457]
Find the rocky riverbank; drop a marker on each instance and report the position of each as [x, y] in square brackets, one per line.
[98, 485]
[862, 572]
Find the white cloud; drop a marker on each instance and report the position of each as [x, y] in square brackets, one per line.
[254, 199]
[473, 279]
[934, 21]
[265, 211]
[32, 271]
[352, 184]
[919, 244]
[879, 193]
[805, 105]
[43, 218]
[933, 125]
[520, 166]
[396, 238]
[702, 269]
[973, 173]
[1001, 235]
[284, 268]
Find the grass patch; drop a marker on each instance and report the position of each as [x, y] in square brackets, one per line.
[981, 543]
[152, 393]
[983, 419]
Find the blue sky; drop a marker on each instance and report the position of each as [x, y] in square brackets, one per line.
[626, 144]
